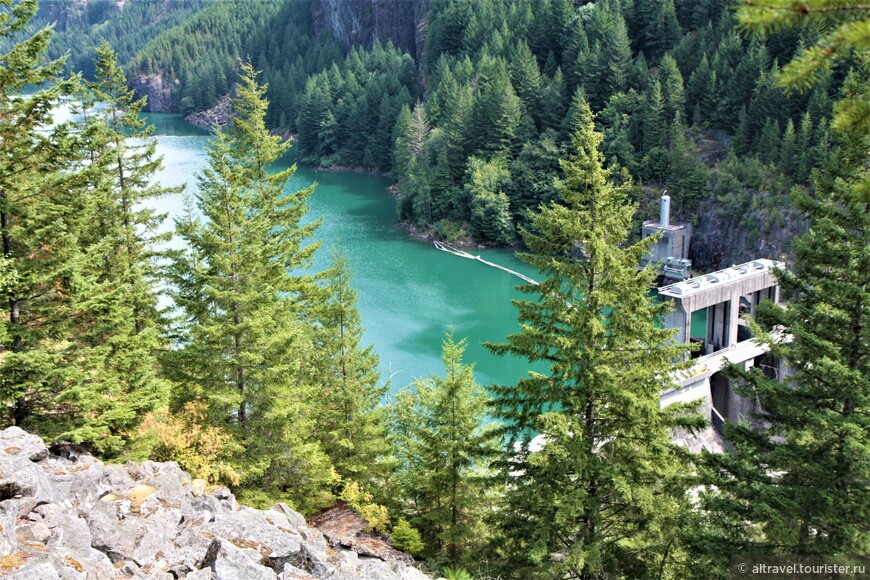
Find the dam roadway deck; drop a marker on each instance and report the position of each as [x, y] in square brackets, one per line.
[694, 383]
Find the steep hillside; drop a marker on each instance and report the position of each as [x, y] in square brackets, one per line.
[128, 25]
[498, 86]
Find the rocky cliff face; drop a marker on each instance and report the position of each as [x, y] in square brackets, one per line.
[734, 224]
[720, 240]
[63, 14]
[360, 22]
[63, 514]
[158, 92]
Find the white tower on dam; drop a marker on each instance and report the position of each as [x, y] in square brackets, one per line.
[671, 252]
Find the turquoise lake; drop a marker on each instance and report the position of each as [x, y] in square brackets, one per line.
[410, 293]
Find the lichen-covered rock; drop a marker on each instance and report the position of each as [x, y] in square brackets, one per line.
[230, 562]
[66, 515]
[19, 443]
[343, 527]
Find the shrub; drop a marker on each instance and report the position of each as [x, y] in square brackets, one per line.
[456, 574]
[406, 538]
[182, 437]
[376, 514]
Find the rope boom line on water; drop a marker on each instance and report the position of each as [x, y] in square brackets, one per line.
[463, 254]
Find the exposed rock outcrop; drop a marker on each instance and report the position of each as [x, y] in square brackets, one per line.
[158, 91]
[65, 15]
[738, 228]
[361, 22]
[219, 115]
[67, 515]
[342, 526]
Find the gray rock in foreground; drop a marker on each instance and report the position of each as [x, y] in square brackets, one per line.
[65, 515]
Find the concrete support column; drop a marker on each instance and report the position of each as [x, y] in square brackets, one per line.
[680, 319]
[718, 325]
[687, 327]
[711, 319]
[733, 306]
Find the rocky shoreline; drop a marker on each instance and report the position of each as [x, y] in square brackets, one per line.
[217, 116]
[348, 169]
[66, 515]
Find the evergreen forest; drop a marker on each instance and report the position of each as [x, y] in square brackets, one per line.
[550, 126]
[470, 127]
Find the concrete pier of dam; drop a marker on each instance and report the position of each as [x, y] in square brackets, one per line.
[728, 296]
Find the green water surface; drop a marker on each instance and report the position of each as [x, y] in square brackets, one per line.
[409, 292]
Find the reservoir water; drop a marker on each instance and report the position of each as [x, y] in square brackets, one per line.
[409, 292]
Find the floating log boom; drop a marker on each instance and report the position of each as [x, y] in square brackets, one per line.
[463, 254]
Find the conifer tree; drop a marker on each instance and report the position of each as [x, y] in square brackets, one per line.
[442, 447]
[616, 55]
[797, 482]
[246, 301]
[526, 77]
[496, 111]
[457, 124]
[314, 106]
[844, 39]
[117, 331]
[554, 101]
[411, 132]
[653, 118]
[41, 218]
[659, 29]
[350, 423]
[601, 495]
[805, 158]
[844, 25]
[788, 151]
[701, 90]
[616, 118]
[687, 176]
[490, 208]
[531, 175]
[672, 88]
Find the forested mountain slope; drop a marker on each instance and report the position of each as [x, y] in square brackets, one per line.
[471, 110]
[127, 26]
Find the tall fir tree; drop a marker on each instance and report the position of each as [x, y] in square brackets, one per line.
[119, 320]
[443, 446]
[602, 494]
[350, 422]
[672, 88]
[496, 111]
[42, 215]
[796, 484]
[616, 55]
[526, 77]
[247, 300]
